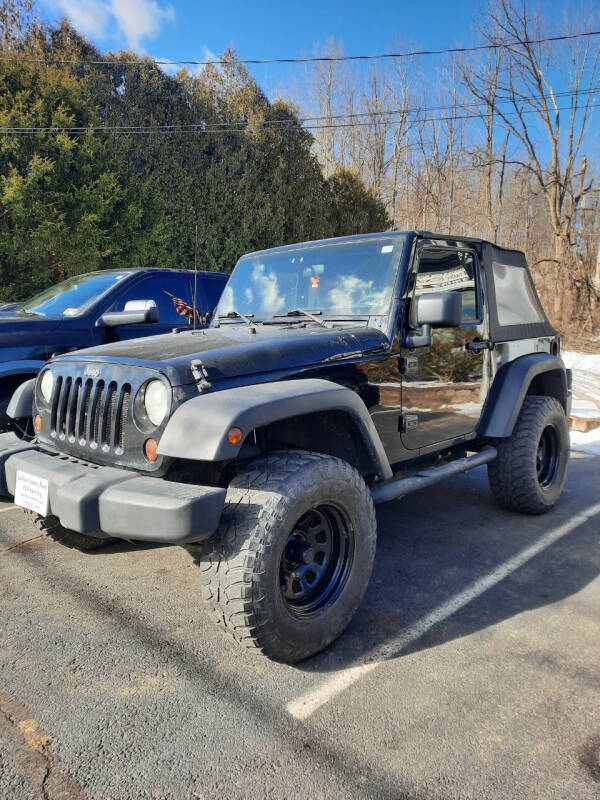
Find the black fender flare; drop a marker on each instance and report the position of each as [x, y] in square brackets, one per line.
[510, 386]
[198, 429]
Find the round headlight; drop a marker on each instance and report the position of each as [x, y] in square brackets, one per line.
[156, 401]
[46, 385]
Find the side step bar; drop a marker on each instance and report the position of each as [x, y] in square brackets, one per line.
[431, 475]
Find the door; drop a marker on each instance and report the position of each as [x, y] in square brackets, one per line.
[380, 388]
[444, 384]
[162, 289]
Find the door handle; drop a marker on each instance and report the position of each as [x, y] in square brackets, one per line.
[477, 345]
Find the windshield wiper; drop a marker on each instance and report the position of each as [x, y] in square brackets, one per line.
[300, 312]
[235, 314]
[30, 313]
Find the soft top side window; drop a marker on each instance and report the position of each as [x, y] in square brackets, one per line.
[516, 301]
[441, 269]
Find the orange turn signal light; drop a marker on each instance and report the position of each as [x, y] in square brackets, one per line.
[150, 449]
[235, 436]
[37, 423]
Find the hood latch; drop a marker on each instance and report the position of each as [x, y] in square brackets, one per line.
[198, 370]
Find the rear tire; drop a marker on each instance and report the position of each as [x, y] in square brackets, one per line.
[79, 541]
[293, 555]
[530, 472]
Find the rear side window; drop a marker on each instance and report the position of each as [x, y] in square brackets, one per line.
[162, 289]
[516, 303]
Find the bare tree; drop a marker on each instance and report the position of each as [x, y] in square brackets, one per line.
[18, 19]
[521, 94]
[497, 146]
[401, 82]
[324, 84]
[492, 162]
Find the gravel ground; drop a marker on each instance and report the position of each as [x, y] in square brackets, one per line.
[111, 676]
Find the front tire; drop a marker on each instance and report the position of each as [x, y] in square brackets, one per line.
[78, 541]
[531, 469]
[293, 555]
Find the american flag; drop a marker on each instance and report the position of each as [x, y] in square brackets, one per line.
[183, 308]
[187, 311]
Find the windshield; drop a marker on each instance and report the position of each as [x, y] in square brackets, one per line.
[344, 278]
[71, 297]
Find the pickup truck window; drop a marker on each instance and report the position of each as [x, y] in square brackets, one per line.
[162, 288]
[73, 296]
[352, 277]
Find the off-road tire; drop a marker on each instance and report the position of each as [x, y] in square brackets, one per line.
[240, 565]
[79, 541]
[513, 476]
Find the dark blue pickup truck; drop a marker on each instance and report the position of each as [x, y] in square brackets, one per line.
[98, 308]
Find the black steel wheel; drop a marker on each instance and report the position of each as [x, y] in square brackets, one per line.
[530, 471]
[316, 560]
[293, 555]
[548, 456]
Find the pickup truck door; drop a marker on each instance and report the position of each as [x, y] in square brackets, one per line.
[444, 384]
[162, 289]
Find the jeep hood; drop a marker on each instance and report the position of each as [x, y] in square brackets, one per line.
[233, 351]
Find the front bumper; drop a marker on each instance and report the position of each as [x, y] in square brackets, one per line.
[105, 501]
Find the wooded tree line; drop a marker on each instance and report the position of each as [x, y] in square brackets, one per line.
[118, 190]
[502, 144]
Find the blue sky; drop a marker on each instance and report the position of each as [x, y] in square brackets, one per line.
[188, 29]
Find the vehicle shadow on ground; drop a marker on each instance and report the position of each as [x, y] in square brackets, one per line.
[431, 545]
[427, 552]
[206, 674]
[435, 543]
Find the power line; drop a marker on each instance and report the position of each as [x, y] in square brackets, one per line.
[202, 128]
[305, 60]
[416, 109]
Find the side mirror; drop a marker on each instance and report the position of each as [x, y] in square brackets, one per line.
[433, 310]
[136, 312]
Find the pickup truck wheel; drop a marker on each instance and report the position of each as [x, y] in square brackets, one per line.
[79, 541]
[530, 471]
[293, 555]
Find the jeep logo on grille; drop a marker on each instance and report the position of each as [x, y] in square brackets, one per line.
[91, 372]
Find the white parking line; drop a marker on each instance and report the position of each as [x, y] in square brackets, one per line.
[304, 706]
[8, 508]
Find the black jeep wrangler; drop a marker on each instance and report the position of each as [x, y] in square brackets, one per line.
[335, 375]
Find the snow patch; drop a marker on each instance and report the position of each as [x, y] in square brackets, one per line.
[586, 398]
[586, 442]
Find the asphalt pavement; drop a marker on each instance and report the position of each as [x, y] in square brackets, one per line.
[114, 684]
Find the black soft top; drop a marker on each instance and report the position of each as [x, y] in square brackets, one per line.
[508, 282]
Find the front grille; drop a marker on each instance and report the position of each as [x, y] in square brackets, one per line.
[90, 412]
